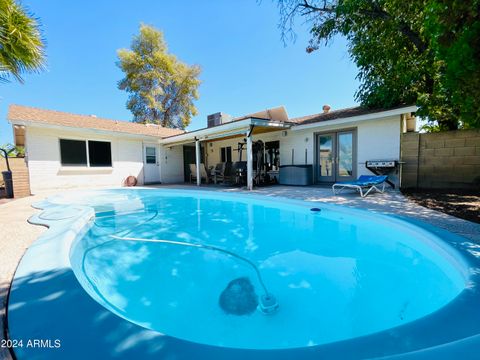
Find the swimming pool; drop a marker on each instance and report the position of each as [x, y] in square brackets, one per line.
[234, 273]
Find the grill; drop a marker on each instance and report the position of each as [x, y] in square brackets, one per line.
[383, 167]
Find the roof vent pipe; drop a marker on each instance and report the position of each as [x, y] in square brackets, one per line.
[326, 108]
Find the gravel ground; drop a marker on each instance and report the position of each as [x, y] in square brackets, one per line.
[461, 204]
[16, 236]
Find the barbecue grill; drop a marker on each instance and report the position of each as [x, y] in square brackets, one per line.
[383, 167]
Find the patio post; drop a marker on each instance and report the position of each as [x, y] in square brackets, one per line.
[249, 160]
[197, 161]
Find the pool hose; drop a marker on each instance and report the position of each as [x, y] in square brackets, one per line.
[268, 303]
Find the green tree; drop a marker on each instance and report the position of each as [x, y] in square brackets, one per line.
[162, 89]
[405, 51]
[21, 44]
[453, 29]
[12, 150]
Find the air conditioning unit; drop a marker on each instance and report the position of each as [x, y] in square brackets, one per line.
[218, 118]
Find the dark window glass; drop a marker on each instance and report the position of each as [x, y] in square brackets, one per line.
[99, 153]
[73, 152]
[151, 155]
[229, 154]
[226, 154]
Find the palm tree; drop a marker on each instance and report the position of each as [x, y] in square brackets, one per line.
[21, 43]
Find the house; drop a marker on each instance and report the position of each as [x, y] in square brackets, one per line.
[65, 150]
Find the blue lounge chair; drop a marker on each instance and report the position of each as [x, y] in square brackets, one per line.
[364, 182]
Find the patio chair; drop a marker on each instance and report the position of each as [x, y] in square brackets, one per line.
[203, 172]
[364, 182]
[228, 175]
[218, 172]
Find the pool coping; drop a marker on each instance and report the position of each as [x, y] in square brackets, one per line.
[48, 239]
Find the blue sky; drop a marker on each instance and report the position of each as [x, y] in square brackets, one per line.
[245, 65]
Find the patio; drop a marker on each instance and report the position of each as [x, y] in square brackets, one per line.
[17, 234]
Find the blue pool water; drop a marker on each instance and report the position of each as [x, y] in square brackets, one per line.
[337, 274]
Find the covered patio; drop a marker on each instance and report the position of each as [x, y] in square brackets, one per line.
[247, 129]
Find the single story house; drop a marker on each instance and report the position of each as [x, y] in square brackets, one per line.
[65, 150]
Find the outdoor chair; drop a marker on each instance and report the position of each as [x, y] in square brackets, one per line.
[203, 172]
[228, 173]
[219, 172]
[364, 182]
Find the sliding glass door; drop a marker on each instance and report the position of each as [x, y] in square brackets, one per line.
[336, 154]
[326, 158]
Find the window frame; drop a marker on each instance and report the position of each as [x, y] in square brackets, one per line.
[224, 152]
[87, 165]
[155, 155]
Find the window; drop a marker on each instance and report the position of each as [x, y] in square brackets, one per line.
[99, 153]
[226, 154]
[150, 155]
[74, 153]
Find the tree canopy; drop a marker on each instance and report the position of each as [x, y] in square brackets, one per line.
[21, 44]
[424, 52]
[162, 89]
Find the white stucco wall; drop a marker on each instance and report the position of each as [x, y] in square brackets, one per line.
[46, 171]
[298, 141]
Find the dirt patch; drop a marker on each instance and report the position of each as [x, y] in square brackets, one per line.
[462, 204]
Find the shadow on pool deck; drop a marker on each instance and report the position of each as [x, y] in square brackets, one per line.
[4, 353]
[52, 306]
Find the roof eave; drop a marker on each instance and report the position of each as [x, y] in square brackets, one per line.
[224, 130]
[358, 118]
[36, 124]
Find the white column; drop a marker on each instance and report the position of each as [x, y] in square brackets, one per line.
[197, 161]
[249, 161]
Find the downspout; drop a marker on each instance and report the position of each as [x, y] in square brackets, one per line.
[6, 159]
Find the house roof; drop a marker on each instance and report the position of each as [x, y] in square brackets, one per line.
[340, 114]
[19, 113]
[278, 115]
[275, 117]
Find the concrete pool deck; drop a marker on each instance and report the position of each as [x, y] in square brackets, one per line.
[17, 235]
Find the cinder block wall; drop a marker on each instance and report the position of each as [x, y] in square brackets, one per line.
[21, 184]
[443, 160]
